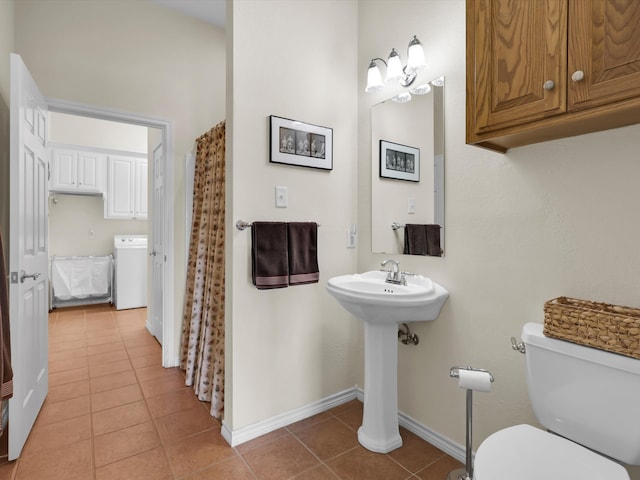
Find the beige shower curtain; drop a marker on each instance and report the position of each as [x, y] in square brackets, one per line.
[202, 345]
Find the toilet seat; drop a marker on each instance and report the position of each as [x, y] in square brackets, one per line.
[528, 453]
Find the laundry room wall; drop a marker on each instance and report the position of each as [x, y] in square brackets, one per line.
[76, 222]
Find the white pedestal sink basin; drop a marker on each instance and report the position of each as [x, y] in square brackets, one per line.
[382, 306]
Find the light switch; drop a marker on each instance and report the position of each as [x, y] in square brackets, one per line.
[282, 198]
[411, 206]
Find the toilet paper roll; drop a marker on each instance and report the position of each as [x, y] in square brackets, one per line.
[474, 380]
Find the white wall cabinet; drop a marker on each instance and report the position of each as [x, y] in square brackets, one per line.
[126, 196]
[77, 171]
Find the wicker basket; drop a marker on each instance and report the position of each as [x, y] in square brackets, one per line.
[599, 325]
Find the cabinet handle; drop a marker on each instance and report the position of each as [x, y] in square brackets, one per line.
[577, 76]
[548, 85]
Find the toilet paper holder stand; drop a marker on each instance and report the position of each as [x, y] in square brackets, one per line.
[455, 372]
[467, 472]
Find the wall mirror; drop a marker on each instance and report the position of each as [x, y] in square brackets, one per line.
[407, 176]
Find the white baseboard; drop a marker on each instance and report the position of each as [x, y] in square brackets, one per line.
[242, 435]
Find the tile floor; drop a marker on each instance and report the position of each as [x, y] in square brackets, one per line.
[113, 413]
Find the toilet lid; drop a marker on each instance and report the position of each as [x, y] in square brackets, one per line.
[528, 453]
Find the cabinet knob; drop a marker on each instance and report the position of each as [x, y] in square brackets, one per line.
[548, 85]
[577, 76]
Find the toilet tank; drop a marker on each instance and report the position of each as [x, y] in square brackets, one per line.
[584, 394]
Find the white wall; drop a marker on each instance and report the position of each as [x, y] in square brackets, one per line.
[289, 347]
[135, 56]
[93, 132]
[556, 218]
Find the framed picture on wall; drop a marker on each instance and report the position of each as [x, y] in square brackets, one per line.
[399, 162]
[298, 143]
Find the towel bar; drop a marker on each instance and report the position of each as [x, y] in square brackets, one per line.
[242, 225]
[396, 226]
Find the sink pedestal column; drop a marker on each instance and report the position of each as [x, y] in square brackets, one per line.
[380, 431]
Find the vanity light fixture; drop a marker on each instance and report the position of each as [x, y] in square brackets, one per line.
[396, 72]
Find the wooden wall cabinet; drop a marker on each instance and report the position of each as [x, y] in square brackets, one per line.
[539, 70]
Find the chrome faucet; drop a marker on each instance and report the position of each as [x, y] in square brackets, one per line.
[394, 275]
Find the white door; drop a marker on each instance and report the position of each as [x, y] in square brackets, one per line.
[28, 257]
[157, 252]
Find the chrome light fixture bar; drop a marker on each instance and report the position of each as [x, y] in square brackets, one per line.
[405, 75]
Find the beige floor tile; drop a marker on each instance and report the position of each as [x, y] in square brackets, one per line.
[415, 453]
[359, 463]
[232, 469]
[198, 452]
[162, 385]
[117, 418]
[67, 462]
[439, 469]
[105, 347]
[67, 354]
[52, 412]
[68, 364]
[282, 458]
[150, 465]
[56, 435]
[125, 443]
[68, 376]
[115, 398]
[7, 470]
[108, 368]
[145, 350]
[177, 426]
[109, 382]
[172, 402]
[154, 372]
[328, 439]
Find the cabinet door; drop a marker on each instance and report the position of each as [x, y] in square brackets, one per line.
[519, 48]
[63, 170]
[604, 44]
[120, 187]
[89, 171]
[140, 190]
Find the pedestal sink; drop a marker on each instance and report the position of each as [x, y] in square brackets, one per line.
[382, 306]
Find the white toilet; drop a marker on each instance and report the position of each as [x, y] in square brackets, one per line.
[588, 398]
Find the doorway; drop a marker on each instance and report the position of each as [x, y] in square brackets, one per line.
[159, 223]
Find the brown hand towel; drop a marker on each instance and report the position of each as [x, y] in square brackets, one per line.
[415, 239]
[269, 262]
[303, 253]
[433, 240]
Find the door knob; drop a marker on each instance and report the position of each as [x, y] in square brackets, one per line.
[548, 85]
[24, 275]
[577, 76]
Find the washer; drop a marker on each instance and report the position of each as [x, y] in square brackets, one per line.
[130, 256]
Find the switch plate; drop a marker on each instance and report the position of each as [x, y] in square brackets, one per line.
[411, 206]
[282, 197]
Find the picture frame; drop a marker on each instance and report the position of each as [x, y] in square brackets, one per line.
[399, 162]
[298, 143]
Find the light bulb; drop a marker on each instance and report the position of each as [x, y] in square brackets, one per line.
[416, 60]
[394, 66]
[374, 79]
